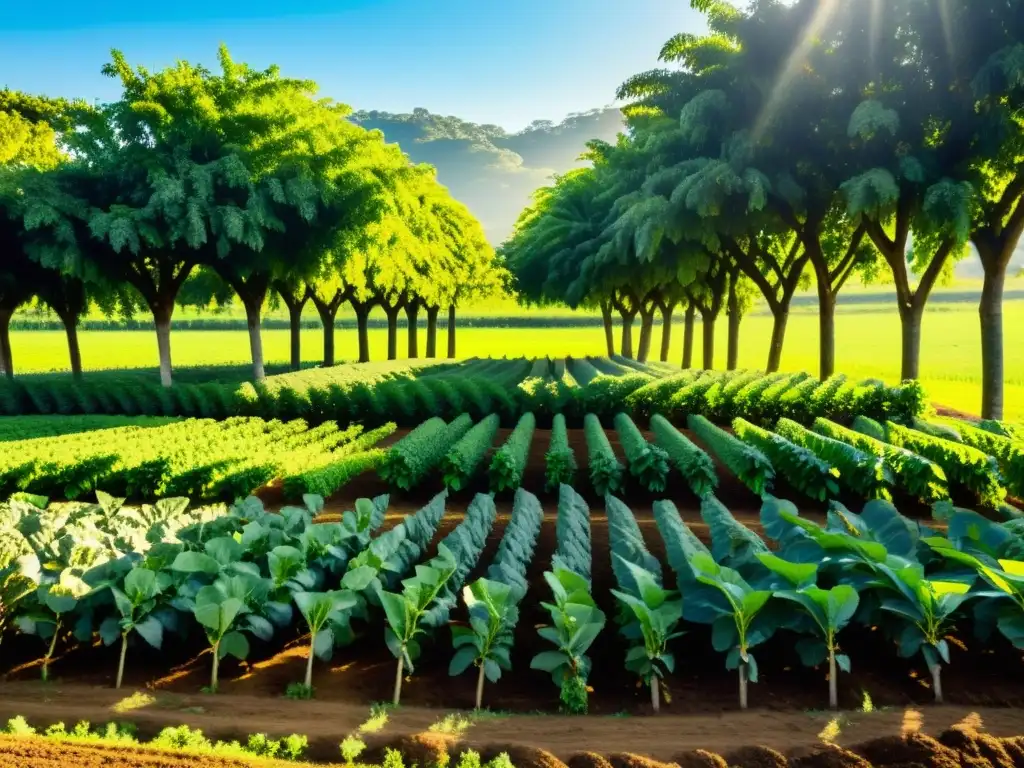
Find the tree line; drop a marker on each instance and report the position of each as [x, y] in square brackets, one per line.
[197, 186]
[797, 143]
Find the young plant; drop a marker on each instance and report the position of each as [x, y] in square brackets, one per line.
[657, 612]
[734, 607]
[54, 602]
[926, 606]
[135, 603]
[328, 612]
[224, 611]
[404, 611]
[487, 642]
[576, 621]
[647, 463]
[828, 611]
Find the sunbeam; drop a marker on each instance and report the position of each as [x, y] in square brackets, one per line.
[826, 10]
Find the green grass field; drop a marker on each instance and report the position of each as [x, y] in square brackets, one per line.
[867, 343]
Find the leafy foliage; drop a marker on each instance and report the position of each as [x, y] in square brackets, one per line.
[603, 467]
[560, 461]
[801, 468]
[508, 463]
[862, 473]
[466, 456]
[751, 466]
[411, 459]
[647, 463]
[692, 462]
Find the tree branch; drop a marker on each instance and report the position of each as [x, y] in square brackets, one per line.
[749, 267]
[845, 266]
[931, 274]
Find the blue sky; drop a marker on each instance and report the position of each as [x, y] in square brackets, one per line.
[485, 61]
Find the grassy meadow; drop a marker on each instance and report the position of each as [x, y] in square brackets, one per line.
[867, 344]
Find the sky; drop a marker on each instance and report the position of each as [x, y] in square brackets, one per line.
[485, 61]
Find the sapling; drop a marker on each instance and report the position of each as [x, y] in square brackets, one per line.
[135, 604]
[486, 643]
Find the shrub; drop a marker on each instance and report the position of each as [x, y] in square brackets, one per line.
[560, 461]
[508, 463]
[692, 462]
[604, 468]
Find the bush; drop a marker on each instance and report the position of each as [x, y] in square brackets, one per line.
[604, 468]
[508, 463]
[560, 461]
[692, 462]
[647, 463]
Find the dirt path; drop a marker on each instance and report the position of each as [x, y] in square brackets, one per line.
[327, 722]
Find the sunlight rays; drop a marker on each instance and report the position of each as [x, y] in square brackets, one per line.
[797, 59]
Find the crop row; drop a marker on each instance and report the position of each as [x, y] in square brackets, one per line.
[376, 393]
[226, 576]
[200, 458]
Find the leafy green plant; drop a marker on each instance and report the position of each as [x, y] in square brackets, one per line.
[657, 611]
[405, 610]
[508, 462]
[913, 474]
[732, 543]
[486, 643]
[604, 468]
[410, 459]
[862, 473]
[964, 466]
[1009, 452]
[466, 456]
[827, 612]
[1004, 428]
[135, 603]
[693, 463]
[735, 628]
[576, 621]
[560, 461]
[56, 598]
[351, 748]
[647, 463]
[751, 466]
[801, 468]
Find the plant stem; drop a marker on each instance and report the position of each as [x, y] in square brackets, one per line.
[936, 671]
[833, 682]
[49, 652]
[309, 664]
[398, 680]
[480, 688]
[120, 663]
[743, 685]
[216, 667]
[655, 695]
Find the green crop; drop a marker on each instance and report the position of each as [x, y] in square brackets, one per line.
[648, 464]
[913, 474]
[693, 463]
[801, 468]
[560, 461]
[751, 466]
[509, 461]
[604, 468]
[411, 459]
[1007, 451]
[865, 474]
[466, 456]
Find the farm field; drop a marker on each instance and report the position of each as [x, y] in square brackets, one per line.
[868, 344]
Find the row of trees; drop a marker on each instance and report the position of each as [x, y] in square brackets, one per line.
[195, 185]
[797, 143]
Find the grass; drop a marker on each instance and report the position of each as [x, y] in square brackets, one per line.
[867, 345]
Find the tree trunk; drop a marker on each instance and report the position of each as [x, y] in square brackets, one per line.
[733, 351]
[689, 320]
[990, 309]
[6, 359]
[666, 331]
[432, 331]
[295, 334]
[609, 335]
[779, 322]
[74, 351]
[120, 663]
[646, 332]
[743, 685]
[451, 331]
[398, 681]
[162, 319]
[252, 317]
[910, 320]
[826, 331]
[309, 664]
[655, 694]
[362, 327]
[392, 314]
[328, 312]
[708, 329]
[480, 688]
[627, 334]
[833, 681]
[936, 671]
[412, 312]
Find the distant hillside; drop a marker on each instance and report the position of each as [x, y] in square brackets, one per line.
[490, 170]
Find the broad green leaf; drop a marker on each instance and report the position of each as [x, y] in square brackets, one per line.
[151, 630]
[797, 574]
[323, 643]
[234, 644]
[462, 660]
[843, 662]
[359, 578]
[224, 550]
[812, 651]
[549, 661]
[195, 562]
[141, 584]
[396, 612]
